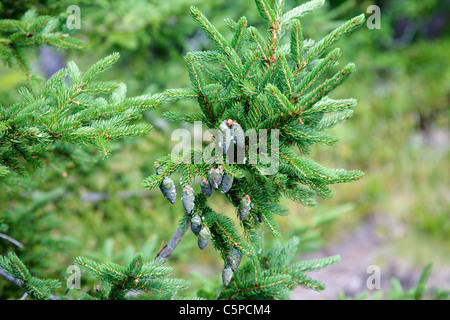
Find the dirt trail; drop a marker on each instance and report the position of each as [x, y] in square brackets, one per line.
[361, 249]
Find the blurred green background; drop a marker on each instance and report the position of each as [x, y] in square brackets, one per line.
[399, 214]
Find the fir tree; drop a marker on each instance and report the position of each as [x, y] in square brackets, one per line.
[260, 81]
[256, 81]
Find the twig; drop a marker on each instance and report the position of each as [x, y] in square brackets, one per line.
[8, 277]
[17, 243]
[17, 282]
[167, 251]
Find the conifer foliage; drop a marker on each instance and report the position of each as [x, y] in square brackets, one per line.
[32, 30]
[72, 108]
[36, 288]
[119, 283]
[275, 274]
[272, 81]
[86, 111]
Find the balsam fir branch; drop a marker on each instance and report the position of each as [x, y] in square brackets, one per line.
[256, 83]
[140, 279]
[36, 288]
[266, 103]
[272, 275]
[118, 282]
[31, 31]
[71, 108]
[85, 111]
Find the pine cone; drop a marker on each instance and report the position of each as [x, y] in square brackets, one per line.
[168, 189]
[206, 187]
[215, 177]
[234, 259]
[244, 207]
[187, 197]
[227, 274]
[203, 237]
[196, 222]
[226, 138]
[238, 134]
[227, 183]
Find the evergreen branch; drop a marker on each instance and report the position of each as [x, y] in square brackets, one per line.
[259, 41]
[60, 113]
[22, 63]
[210, 31]
[266, 12]
[205, 56]
[320, 69]
[280, 100]
[181, 94]
[232, 69]
[12, 240]
[32, 30]
[88, 265]
[183, 117]
[334, 120]
[325, 88]
[308, 283]
[327, 105]
[10, 278]
[318, 48]
[296, 44]
[316, 264]
[253, 87]
[273, 275]
[301, 10]
[118, 282]
[239, 35]
[287, 78]
[13, 269]
[168, 249]
[279, 8]
[280, 121]
[99, 67]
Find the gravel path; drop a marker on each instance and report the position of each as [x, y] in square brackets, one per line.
[361, 249]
